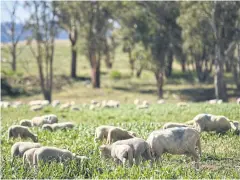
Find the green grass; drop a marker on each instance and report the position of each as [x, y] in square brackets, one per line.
[220, 159]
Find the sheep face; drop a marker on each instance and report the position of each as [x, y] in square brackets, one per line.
[105, 151]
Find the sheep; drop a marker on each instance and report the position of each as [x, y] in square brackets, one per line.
[136, 102]
[110, 104]
[120, 153]
[115, 134]
[215, 101]
[37, 121]
[142, 106]
[39, 102]
[50, 119]
[28, 156]
[65, 106]
[57, 126]
[26, 122]
[182, 104]
[74, 108]
[5, 104]
[101, 132]
[238, 101]
[22, 131]
[48, 154]
[161, 101]
[235, 127]
[171, 125]
[19, 148]
[177, 140]
[17, 104]
[36, 108]
[140, 149]
[55, 103]
[209, 122]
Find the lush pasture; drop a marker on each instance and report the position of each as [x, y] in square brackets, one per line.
[220, 159]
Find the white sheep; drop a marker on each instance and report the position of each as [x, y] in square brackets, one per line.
[209, 122]
[120, 153]
[101, 132]
[26, 122]
[22, 131]
[161, 101]
[140, 149]
[171, 125]
[238, 101]
[36, 108]
[48, 154]
[19, 148]
[215, 101]
[136, 102]
[115, 134]
[39, 102]
[55, 103]
[37, 121]
[65, 106]
[50, 119]
[58, 126]
[5, 104]
[17, 104]
[142, 106]
[28, 156]
[176, 140]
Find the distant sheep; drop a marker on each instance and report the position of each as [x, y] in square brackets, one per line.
[39, 102]
[55, 103]
[238, 101]
[209, 122]
[36, 108]
[58, 126]
[5, 104]
[74, 108]
[110, 104]
[116, 134]
[37, 121]
[120, 153]
[26, 122]
[140, 149]
[215, 101]
[48, 154]
[161, 101]
[182, 104]
[171, 125]
[17, 104]
[175, 141]
[142, 106]
[50, 119]
[65, 106]
[22, 131]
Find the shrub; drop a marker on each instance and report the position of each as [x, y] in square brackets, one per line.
[115, 75]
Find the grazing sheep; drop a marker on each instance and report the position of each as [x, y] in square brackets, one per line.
[215, 101]
[36, 108]
[140, 149]
[209, 122]
[171, 125]
[26, 122]
[50, 119]
[182, 104]
[19, 148]
[120, 153]
[115, 134]
[5, 104]
[110, 104]
[58, 126]
[176, 140]
[48, 154]
[37, 121]
[136, 102]
[101, 132]
[28, 156]
[22, 131]
[55, 103]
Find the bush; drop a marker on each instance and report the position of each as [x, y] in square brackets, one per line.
[115, 75]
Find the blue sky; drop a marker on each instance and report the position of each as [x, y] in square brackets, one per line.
[21, 13]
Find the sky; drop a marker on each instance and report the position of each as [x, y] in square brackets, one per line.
[21, 13]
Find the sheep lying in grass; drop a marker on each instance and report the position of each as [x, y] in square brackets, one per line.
[26, 122]
[19, 148]
[28, 156]
[209, 122]
[116, 134]
[22, 131]
[58, 126]
[120, 153]
[171, 125]
[48, 154]
[176, 140]
[140, 148]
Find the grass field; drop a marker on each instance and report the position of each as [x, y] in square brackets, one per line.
[220, 158]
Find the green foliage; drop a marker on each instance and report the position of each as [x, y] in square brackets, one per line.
[115, 75]
[220, 158]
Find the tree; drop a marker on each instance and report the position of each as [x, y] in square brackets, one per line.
[43, 26]
[70, 20]
[9, 30]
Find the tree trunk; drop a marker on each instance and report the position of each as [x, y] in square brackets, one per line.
[168, 70]
[183, 64]
[228, 66]
[131, 62]
[95, 68]
[220, 86]
[160, 79]
[107, 54]
[14, 66]
[236, 70]
[74, 62]
[139, 72]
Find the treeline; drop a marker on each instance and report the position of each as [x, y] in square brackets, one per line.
[201, 36]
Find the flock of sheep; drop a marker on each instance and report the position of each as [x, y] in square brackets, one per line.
[122, 146]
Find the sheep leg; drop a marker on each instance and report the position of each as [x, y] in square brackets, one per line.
[196, 159]
[137, 158]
